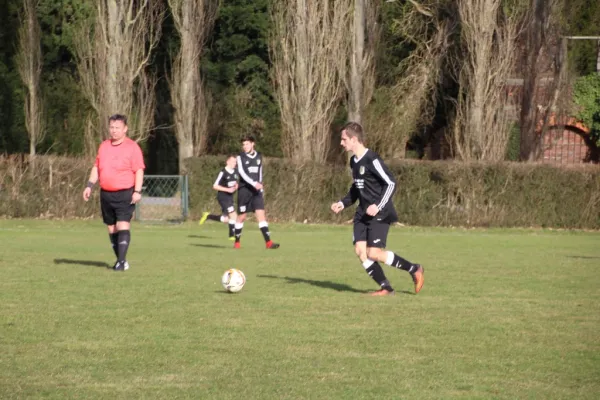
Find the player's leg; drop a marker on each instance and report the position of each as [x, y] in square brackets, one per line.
[124, 211]
[110, 219]
[258, 204]
[211, 217]
[232, 219]
[244, 197]
[378, 232]
[372, 267]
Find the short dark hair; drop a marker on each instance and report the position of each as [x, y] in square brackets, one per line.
[118, 117]
[354, 129]
[247, 138]
[231, 155]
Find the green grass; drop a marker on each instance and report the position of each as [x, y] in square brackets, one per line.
[504, 314]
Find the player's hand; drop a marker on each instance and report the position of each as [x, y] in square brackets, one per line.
[337, 207]
[135, 197]
[372, 210]
[87, 192]
[258, 186]
[231, 189]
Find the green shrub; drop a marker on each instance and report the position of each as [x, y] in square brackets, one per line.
[428, 194]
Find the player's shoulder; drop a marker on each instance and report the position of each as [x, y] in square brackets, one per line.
[371, 155]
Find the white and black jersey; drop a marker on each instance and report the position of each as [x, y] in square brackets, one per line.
[226, 178]
[373, 184]
[250, 169]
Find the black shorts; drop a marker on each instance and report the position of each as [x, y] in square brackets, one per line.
[226, 202]
[250, 200]
[116, 206]
[370, 230]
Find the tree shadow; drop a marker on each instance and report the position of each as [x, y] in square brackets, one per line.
[211, 246]
[339, 287]
[88, 263]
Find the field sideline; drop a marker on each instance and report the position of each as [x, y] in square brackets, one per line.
[504, 314]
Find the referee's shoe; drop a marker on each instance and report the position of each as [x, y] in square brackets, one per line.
[121, 266]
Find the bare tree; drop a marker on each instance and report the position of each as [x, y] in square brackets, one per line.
[365, 40]
[29, 65]
[309, 48]
[194, 21]
[112, 55]
[487, 56]
[410, 102]
[535, 102]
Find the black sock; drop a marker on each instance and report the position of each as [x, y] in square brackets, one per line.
[376, 272]
[231, 229]
[214, 217]
[400, 263]
[264, 229]
[238, 231]
[113, 240]
[124, 239]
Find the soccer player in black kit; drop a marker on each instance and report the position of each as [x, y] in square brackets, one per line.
[225, 185]
[373, 186]
[250, 192]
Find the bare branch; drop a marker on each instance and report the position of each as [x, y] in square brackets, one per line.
[29, 66]
[112, 57]
[308, 50]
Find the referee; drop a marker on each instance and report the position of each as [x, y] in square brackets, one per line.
[119, 167]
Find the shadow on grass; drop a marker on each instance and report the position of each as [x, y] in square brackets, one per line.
[86, 263]
[211, 246]
[198, 237]
[585, 257]
[339, 287]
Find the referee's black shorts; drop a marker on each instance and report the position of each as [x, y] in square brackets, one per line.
[116, 206]
[250, 200]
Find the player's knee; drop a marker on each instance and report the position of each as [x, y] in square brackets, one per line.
[360, 252]
[374, 253]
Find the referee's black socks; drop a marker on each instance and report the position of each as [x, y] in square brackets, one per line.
[123, 244]
[114, 239]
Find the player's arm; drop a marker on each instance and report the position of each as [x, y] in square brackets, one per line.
[243, 174]
[220, 188]
[381, 170]
[349, 199]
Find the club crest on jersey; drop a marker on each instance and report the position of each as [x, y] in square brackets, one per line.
[361, 170]
[258, 162]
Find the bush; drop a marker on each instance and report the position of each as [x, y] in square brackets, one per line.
[428, 194]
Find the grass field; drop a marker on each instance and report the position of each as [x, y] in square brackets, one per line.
[504, 314]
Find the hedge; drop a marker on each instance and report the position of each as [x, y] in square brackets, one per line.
[428, 193]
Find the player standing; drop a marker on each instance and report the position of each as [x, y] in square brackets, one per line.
[373, 186]
[225, 185]
[250, 192]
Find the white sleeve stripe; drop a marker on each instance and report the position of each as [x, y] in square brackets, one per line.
[242, 172]
[218, 178]
[386, 178]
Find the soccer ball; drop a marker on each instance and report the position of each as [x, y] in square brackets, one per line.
[233, 280]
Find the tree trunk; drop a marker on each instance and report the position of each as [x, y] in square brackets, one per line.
[529, 146]
[355, 104]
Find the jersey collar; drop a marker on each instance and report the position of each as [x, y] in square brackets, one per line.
[356, 159]
[250, 155]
